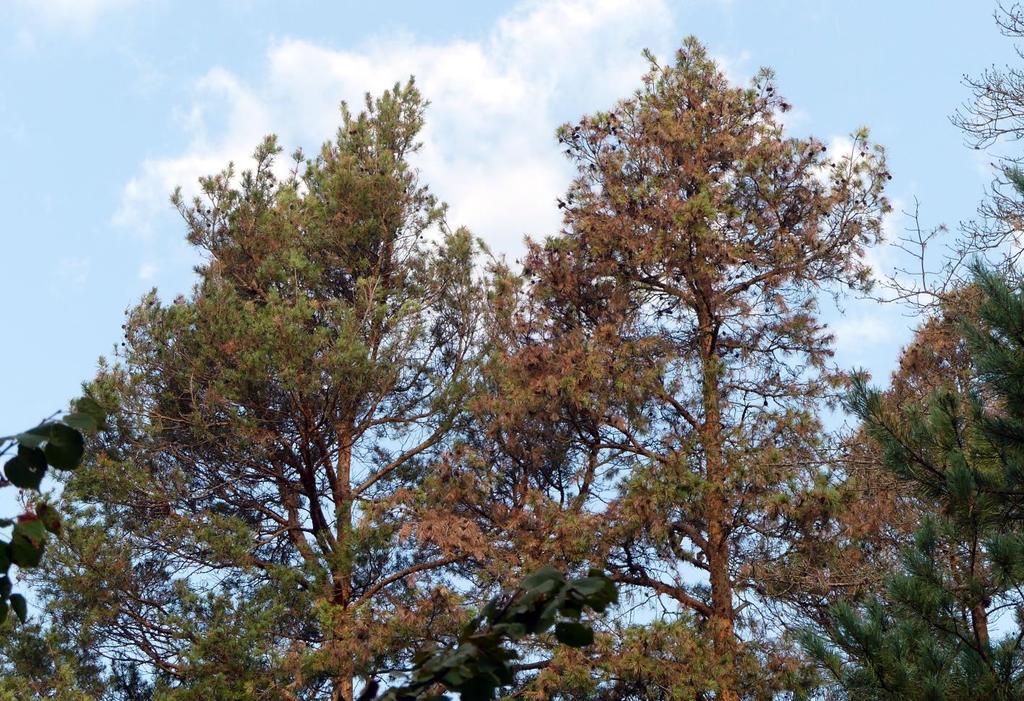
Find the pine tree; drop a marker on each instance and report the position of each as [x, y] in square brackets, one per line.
[653, 397]
[950, 623]
[255, 522]
[44, 664]
[856, 536]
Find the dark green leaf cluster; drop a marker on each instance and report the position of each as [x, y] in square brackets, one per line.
[57, 444]
[482, 662]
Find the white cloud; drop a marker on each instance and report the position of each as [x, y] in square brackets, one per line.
[147, 271]
[71, 272]
[736, 68]
[866, 336]
[863, 330]
[246, 120]
[489, 147]
[838, 147]
[76, 13]
[983, 163]
[25, 41]
[882, 259]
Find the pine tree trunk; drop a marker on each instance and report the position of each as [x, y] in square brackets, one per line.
[342, 574]
[721, 620]
[716, 508]
[343, 689]
[979, 614]
[979, 621]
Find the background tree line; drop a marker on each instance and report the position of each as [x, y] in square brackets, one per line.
[361, 427]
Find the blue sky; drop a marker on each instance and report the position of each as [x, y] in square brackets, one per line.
[105, 105]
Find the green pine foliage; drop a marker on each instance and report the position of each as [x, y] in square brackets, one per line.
[950, 623]
[256, 521]
[313, 471]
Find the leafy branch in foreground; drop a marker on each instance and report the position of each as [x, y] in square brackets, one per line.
[58, 444]
[481, 663]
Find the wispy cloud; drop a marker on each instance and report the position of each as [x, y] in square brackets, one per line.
[81, 14]
[488, 146]
[147, 271]
[71, 272]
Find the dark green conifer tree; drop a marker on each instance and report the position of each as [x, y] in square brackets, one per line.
[950, 623]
